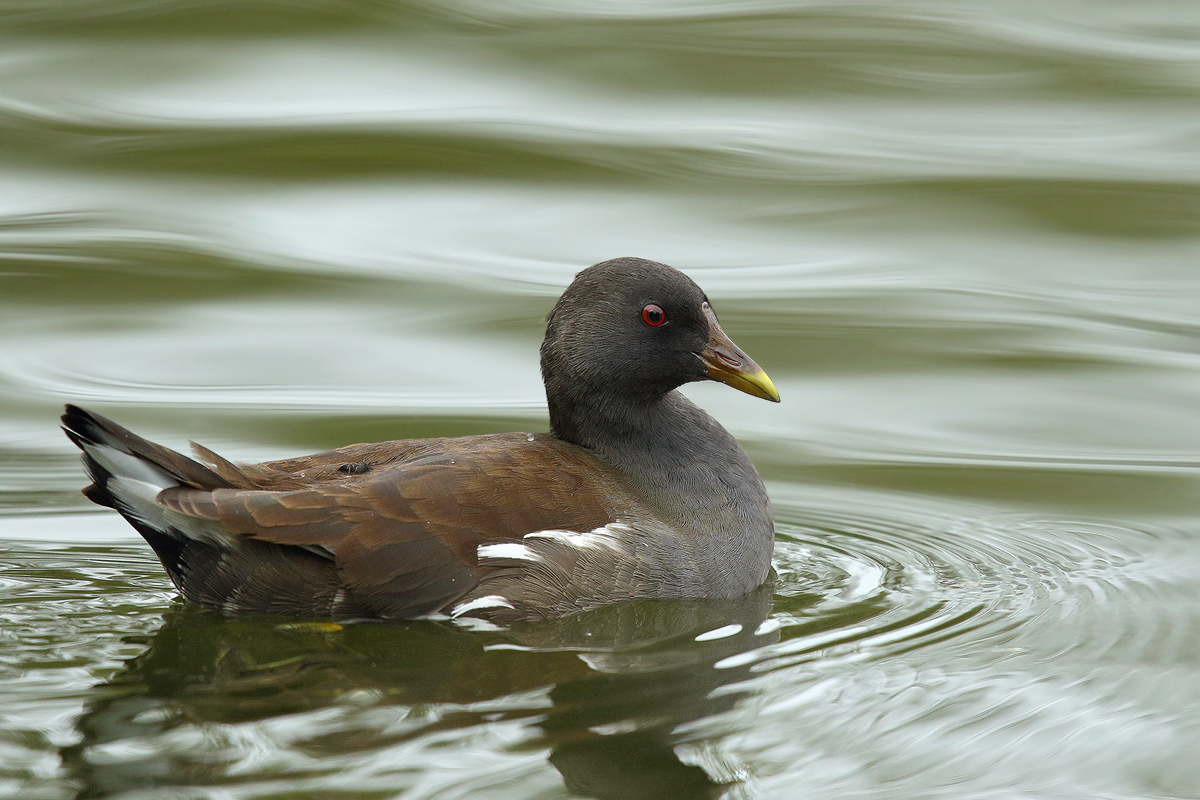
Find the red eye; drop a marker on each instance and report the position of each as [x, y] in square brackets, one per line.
[653, 316]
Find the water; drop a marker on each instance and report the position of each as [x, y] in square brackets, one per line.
[961, 237]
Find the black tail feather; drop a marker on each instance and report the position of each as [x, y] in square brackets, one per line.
[87, 427]
[96, 492]
[253, 576]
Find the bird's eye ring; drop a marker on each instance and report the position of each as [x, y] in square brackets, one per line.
[653, 316]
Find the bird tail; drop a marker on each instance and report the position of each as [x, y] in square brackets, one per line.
[125, 467]
[128, 472]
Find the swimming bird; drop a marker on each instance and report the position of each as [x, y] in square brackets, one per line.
[635, 492]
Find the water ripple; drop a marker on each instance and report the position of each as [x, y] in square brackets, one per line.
[916, 573]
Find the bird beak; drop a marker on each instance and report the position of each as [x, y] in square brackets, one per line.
[725, 362]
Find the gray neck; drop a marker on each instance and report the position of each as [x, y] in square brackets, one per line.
[693, 474]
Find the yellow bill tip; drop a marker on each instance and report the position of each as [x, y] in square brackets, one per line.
[760, 384]
[724, 361]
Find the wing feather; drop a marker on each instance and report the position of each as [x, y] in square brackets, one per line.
[404, 536]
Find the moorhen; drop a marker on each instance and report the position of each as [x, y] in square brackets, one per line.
[634, 493]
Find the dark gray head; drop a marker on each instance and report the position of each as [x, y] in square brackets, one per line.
[628, 331]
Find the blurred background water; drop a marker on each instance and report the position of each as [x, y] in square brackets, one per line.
[962, 237]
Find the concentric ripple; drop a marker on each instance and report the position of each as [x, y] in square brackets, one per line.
[897, 573]
[964, 643]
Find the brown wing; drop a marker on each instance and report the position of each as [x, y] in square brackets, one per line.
[401, 521]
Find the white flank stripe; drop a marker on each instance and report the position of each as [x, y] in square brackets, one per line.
[603, 536]
[507, 550]
[487, 601]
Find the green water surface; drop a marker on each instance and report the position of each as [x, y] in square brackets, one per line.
[962, 237]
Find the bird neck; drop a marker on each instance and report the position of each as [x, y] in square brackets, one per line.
[670, 449]
[690, 473]
[608, 423]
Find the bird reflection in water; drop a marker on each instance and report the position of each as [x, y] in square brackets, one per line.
[616, 686]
